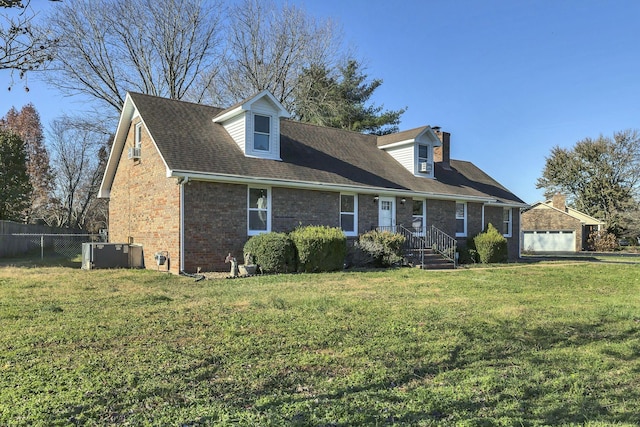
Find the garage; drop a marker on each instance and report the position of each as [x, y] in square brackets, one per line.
[549, 241]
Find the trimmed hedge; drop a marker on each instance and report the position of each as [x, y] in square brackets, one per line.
[384, 247]
[491, 246]
[272, 252]
[319, 248]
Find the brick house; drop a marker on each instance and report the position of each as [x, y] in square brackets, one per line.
[552, 226]
[197, 181]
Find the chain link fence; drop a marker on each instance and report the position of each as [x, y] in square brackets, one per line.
[41, 245]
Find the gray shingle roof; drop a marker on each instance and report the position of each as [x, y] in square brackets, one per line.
[189, 140]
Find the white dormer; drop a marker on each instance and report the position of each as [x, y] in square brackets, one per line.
[254, 124]
[413, 149]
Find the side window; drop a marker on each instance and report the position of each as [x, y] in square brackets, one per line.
[348, 216]
[138, 135]
[261, 132]
[259, 207]
[461, 219]
[507, 222]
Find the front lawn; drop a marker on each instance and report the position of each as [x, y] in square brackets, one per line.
[525, 345]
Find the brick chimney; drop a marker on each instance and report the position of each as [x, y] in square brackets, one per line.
[559, 201]
[443, 154]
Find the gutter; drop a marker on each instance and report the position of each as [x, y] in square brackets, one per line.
[235, 179]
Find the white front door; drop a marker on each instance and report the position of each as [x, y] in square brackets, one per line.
[387, 213]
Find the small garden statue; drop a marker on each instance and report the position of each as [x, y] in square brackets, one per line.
[234, 264]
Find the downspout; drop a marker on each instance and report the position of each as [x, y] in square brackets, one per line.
[482, 224]
[182, 183]
[519, 233]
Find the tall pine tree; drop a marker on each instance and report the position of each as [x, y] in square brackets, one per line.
[342, 101]
[15, 188]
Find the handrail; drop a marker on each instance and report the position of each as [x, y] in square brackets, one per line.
[442, 243]
[429, 237]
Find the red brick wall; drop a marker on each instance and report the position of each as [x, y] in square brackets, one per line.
[215, 224]
[293, 207]
[144, 205]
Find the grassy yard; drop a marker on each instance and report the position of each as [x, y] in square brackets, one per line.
[541, 344]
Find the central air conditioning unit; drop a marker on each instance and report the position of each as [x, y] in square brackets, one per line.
[111, 255]
[135, 153]
[425, 167]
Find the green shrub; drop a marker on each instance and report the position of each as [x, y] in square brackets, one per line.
[319, 248]
[384, 247]
[491, 246]
[273, 252]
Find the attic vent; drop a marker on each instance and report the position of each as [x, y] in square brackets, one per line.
[425, 167]
[135, 153]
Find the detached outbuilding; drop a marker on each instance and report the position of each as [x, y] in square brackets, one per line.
[552, 226]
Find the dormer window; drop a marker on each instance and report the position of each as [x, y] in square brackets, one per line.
[254, 124]
[425, 164]
[261, 132]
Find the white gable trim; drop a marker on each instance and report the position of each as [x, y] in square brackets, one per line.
[129, 112]
[247, 104]
[428, 132]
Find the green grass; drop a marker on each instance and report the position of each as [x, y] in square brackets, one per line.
[541, 344]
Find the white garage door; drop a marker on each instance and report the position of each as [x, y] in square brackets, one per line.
[549, 241]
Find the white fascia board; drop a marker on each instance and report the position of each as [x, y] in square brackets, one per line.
[397, 144]
[235, 179]
[508, 205]
[128, 111]
[229, 114]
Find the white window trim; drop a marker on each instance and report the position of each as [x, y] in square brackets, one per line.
[251, 232]
[137, 135]
[253, 145]
[510, 226]
[424, 217]
[428, 159]
[355, 214]
[464, 233]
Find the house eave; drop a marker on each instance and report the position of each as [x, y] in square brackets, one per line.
[309, 185]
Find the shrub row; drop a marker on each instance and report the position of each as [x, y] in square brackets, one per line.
[306, 249]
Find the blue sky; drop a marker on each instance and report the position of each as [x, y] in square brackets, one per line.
[508, 79]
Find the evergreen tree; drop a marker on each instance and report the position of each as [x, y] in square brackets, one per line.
[15, 188]
[26, 123]
[342, 101]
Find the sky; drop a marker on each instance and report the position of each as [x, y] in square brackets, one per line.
[509, 79]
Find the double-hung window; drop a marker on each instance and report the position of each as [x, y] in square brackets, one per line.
[259, 209]
[348, 216]
[424, 164]
[461, 219]
[261, 132]
[419, 218]
[507, 222]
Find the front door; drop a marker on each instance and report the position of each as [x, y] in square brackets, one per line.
[387, 213]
